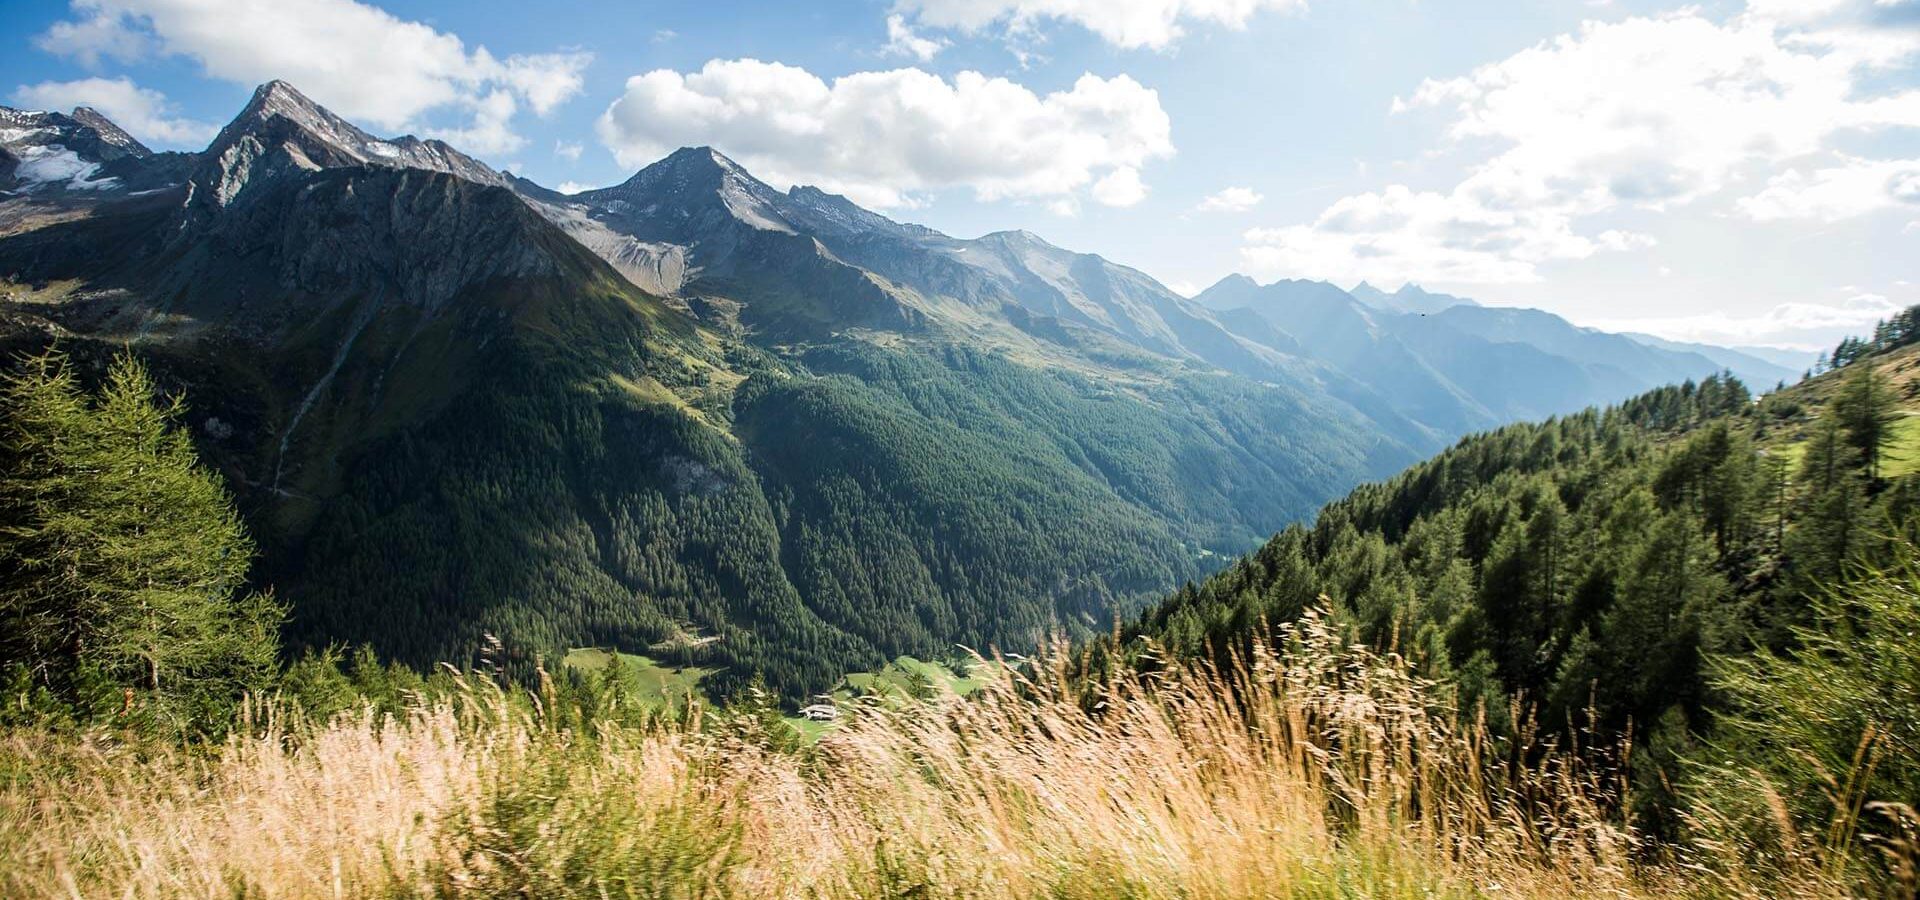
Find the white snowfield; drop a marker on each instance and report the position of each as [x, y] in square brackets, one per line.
[12, 135]
[52, 165]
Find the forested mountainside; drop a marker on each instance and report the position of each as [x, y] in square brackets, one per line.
[1602, 570]
[157, 744]
[762, 431]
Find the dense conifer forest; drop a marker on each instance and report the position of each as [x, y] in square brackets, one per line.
[1617, 573]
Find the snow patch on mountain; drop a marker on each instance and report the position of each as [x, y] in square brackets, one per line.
[50, 165]
[15, 135]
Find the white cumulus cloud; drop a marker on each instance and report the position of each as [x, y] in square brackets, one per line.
[882, 137]
[1853, 187]
[1231, 200]
[96, 33]
[357, 59]
[144, 113]
[1132, 24]
[1646, 115]
[902, 41]
[1120, 187]
[1399, 235]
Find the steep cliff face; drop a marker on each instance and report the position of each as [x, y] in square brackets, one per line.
[420, 237]
[698, 226]
[298, 248]
[282, 134]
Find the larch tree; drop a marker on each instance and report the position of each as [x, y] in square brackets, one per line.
[121, 557]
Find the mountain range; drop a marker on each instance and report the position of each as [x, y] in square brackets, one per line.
[769, 431]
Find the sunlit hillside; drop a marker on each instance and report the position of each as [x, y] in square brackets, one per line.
[1312, 770]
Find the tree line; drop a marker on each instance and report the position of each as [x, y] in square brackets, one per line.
[1895, 331]
[1613, 574]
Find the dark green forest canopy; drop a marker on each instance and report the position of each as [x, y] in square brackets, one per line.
[862, 503]
[1593, 562]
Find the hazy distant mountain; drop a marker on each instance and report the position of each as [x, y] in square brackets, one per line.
[1613, 358]
[1410, 298]
[1331, 326]
[1760, 368]
[1456, 366]
[1797, 360]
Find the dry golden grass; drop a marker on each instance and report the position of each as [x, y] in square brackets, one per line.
[1313, 771]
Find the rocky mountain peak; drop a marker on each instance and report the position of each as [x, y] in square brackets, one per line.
[1234, 291]
[1015, 236]
[282, 130]
[1409, 298]
[1019, 241]
[686, 170]
[278, 104]
[833, 213]
[1418, 299]
[693, 184]
[108, 132]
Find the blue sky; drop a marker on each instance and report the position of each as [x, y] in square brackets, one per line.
[1740, 172]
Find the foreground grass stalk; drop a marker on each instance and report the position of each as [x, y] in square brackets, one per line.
[1311, 769]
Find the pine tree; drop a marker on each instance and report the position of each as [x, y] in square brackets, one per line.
[1846, 690]
[1829, 531]
[122, 558]
[1866, 411]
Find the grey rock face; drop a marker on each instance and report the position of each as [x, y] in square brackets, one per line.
[281, 133]
[108, 134]
[420, 237]
[696, 225]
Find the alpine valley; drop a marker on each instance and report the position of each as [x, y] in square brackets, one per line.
[760, 431]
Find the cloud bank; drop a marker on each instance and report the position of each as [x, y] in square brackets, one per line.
[883, 138]
[1131, 24]
[145, 114]
[357, 59]
[1629, 119]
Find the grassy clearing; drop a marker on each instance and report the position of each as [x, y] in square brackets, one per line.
[1903, 455]
[904, 680]
[905, 675]
[1901, 370]
[666, 687]
[1314, 771]
[52, 292]
[651, 682]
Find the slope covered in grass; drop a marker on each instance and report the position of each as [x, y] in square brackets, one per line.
[1312, 770]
